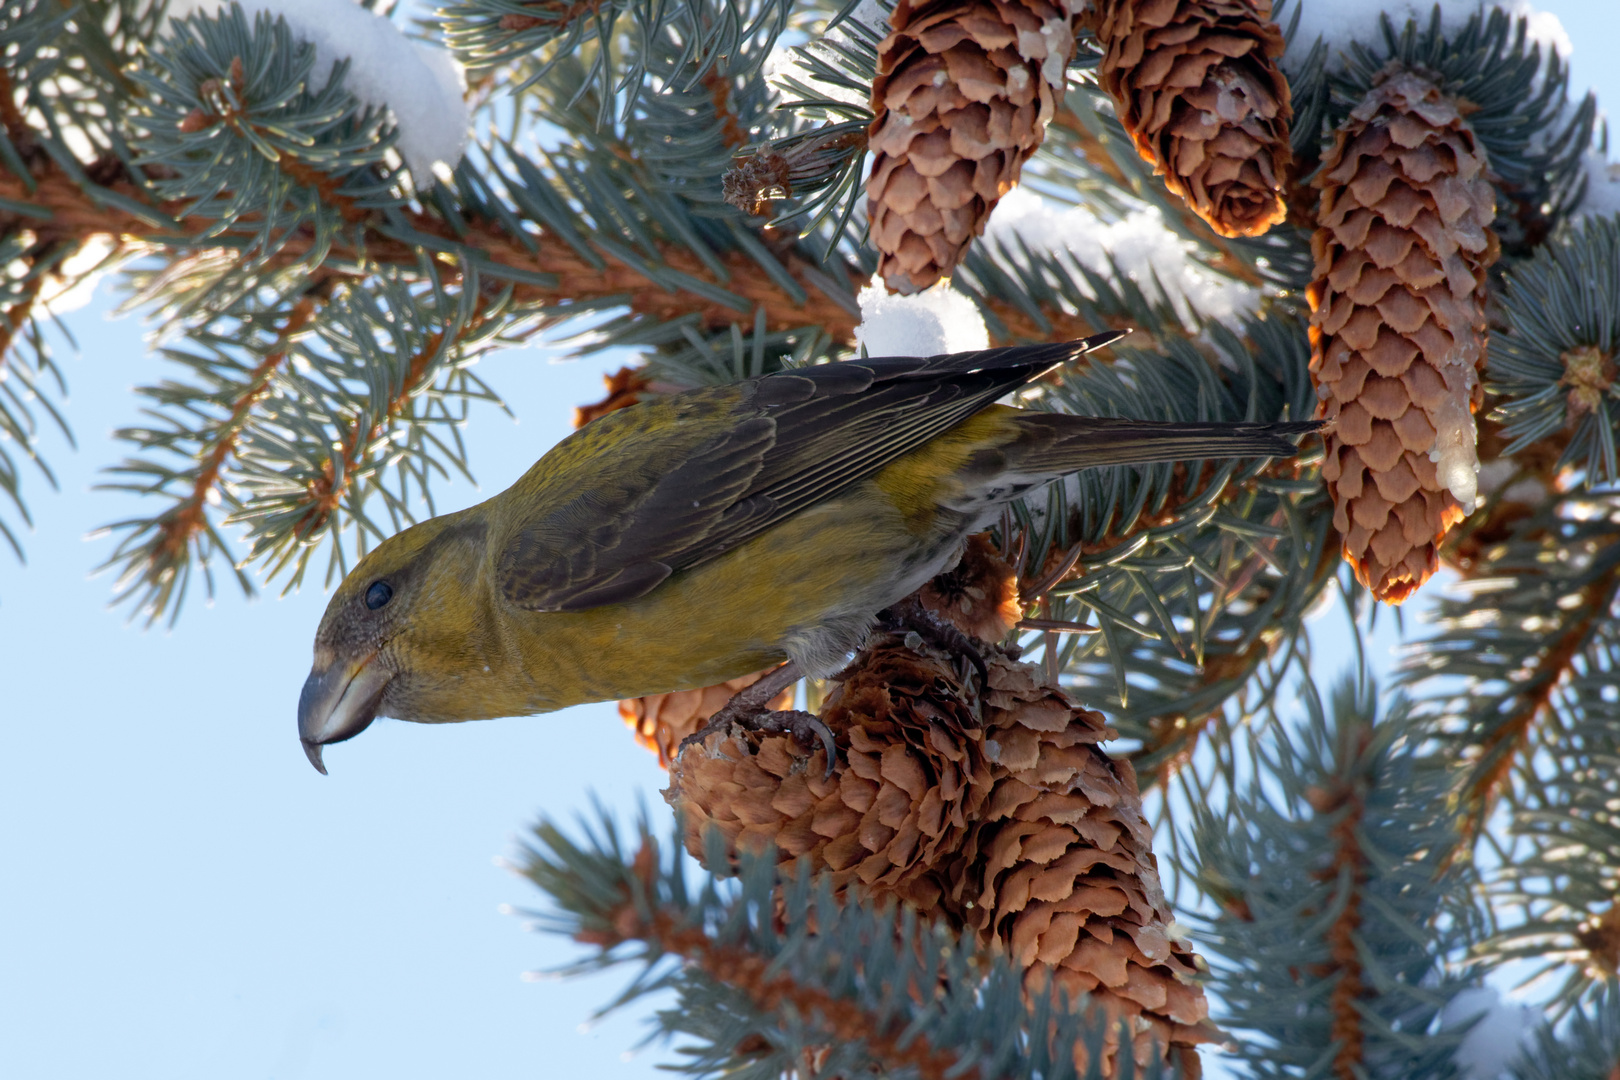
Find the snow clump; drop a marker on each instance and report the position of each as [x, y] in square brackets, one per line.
[1602, 196]
[1495, 1041]
[937, 320]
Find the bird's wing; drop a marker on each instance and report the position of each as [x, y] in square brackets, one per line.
[658, 488]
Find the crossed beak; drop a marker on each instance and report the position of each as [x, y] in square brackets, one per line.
[338, 701]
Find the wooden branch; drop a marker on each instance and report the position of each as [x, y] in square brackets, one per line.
[1349, 863]
[17, 315]
[1511, 739]
[327, 491]
[75, 214]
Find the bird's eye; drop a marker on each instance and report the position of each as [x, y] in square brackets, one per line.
[379, 594]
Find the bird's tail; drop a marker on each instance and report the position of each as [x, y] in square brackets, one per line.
[1055, 444]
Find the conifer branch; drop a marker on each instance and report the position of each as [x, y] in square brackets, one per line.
[177, 528]
[1340, 917]
[1509, 739]
[1587, 1048]
[779, 974]
[751, 975]
[18, 314]
[1553, 889]
[1349, 870]
[334, 483]
[1515, 634]
[581, 283]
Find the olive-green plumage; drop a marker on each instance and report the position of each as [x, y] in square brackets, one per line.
[703, 535]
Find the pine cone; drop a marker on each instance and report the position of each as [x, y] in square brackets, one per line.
[662, 721]
[961, 99]
[979, 594]
[997, 812]
[1196, 86]
[624, 388]
[1402, 244]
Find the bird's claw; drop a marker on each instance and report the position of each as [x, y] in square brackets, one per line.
[944, 635]
[806, 728]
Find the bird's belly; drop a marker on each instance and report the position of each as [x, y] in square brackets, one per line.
[808, 589]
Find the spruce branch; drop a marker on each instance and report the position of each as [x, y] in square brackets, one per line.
[1339, 916]
[1179, 567]
[537, 274]
[414, 385]
[296, 414]
[773, 970]
[1554, 366]
[624, 45]
[1555, 889]
[62, 79]
[1513, 634]
[1588, 1048]
[25, 384]
[259, 147]
[158, 554]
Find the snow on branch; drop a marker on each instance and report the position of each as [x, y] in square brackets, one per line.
[1140, 245]
[421, 87]
[1339, 23]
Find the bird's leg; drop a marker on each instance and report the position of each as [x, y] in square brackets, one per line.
[909, 614]
[750, 707]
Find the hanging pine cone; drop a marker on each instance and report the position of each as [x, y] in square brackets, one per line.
[961, 99]
[1402, 244]
[1196, 86]
[996, 811]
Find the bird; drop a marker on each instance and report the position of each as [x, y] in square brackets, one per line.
[702, 535]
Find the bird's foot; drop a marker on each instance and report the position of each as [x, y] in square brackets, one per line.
[910, 615]
[750, 709]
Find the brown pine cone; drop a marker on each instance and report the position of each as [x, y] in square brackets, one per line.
[1197, 87]
[1402, 245]
[997, 812]
[979, 594]
[624, 388]
[1019, 829]
[961, 99]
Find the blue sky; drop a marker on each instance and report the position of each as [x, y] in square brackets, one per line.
[183, 896]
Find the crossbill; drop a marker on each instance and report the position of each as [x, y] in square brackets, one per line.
[703, 535]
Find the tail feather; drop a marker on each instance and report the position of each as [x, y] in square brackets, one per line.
[1056, 444]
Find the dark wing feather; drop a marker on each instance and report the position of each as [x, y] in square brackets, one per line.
[606, 546]
[794, 439]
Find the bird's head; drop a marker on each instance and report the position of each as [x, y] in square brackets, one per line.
[386, 624]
